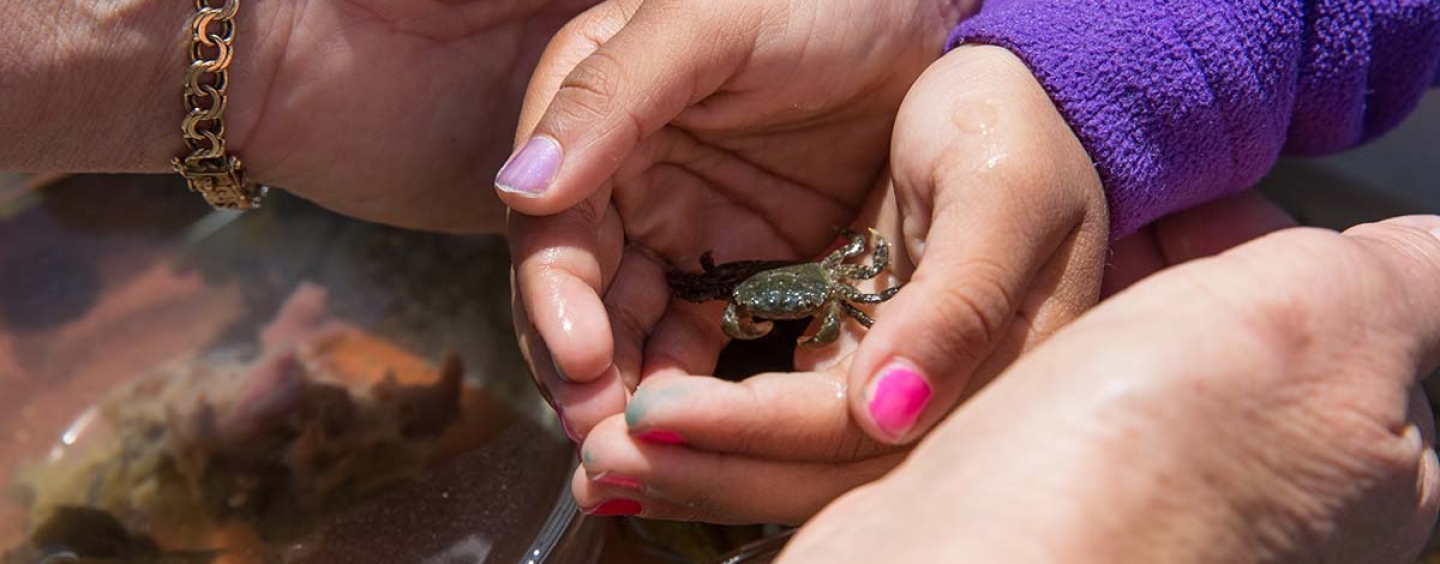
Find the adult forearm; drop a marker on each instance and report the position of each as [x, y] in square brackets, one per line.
[95, 86]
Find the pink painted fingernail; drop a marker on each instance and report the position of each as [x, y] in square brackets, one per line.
[532, 168]
[619, 481]
[617, 508]
[900, 393]
[660, 437]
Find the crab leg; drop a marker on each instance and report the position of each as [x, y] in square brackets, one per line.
[829, 328]
[855, 312]
[876, 266]
[853, 294]
[851, 249]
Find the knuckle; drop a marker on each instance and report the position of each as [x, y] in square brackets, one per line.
[591, 90]
[1281, 304]
[853, 444]
[625, 322]
[689, 504]
[747, 436]
[978, 303]
[1307, 283]
[1275, 329]
[595, 80]
[847, 442]
[595, 93]
[588, 214]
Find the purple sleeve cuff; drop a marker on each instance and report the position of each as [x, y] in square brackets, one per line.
[1180, 102]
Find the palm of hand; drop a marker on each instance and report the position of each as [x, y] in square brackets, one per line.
[758, 176]
[737, 209]
[390, 110]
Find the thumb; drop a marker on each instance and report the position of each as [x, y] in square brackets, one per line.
[1005, 223]
[634, 83]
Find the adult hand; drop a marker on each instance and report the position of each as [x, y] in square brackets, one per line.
[389, 110]
[1259, 406]
[750, 128]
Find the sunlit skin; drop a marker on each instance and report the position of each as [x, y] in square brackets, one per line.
[390, 110]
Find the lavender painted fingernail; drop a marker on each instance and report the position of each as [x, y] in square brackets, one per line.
[532, 168]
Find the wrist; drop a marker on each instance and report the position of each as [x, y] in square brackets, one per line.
[97, 88]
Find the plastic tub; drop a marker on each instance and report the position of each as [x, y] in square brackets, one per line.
[284, 385]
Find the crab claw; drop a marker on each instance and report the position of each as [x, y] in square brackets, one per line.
[742, 326]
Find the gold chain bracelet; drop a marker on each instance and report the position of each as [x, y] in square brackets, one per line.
[206, 167]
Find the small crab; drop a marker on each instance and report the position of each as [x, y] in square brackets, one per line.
[812, 289]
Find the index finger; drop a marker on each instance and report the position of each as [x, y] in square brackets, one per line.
[562, 265]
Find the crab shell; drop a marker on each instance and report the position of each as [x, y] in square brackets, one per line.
[792, 292]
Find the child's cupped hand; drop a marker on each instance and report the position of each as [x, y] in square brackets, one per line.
[657, 130]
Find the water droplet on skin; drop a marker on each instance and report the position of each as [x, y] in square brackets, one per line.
[996, 157]
[978, 118]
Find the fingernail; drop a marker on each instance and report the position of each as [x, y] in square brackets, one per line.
[565, 424]
[647, 398]
[531, 170]
[569, 431]
[897, 398]
[617, 508]
[558, 372]
[619, 481]
[661, 437]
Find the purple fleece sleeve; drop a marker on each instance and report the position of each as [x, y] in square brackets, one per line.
[1183, 101]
